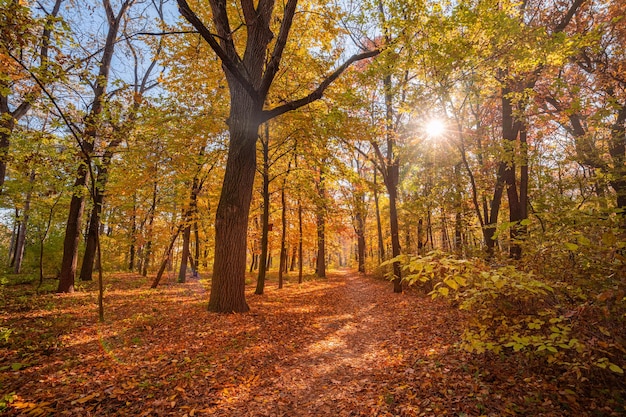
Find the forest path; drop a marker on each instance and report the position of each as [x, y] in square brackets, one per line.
[354, 336]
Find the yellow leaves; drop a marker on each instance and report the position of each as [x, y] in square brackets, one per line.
[87, 398]
[605, 363]
[32, 409]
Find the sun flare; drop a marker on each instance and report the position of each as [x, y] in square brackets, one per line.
[435, 128]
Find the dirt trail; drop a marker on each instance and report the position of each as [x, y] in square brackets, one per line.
[353, 339]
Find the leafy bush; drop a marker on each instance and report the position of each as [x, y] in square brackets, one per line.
[513, 310]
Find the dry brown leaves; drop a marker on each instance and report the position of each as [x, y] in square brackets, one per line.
[345, 346]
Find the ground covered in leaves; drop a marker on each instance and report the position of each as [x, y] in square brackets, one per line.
[342, 346]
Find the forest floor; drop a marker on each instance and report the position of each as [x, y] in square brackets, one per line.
[341, 346]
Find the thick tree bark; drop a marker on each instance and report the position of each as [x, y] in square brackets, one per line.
[231, 223]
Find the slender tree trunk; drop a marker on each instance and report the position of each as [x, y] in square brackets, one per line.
[21, 235]
[510, 129]
[196, 234]
[617, 150]
[42, 240]
[320, 269]
[182, 272]
[360, 238]
[489, 230]
[7, 124]
[420, 237]
[20, 243]
[283, 238]
[300, 254]
[133, 235]
[166, 259]
[294, 255]
[379, 227]
[265, 217]
[392, 190]
[13, 241]
[93, 229]
[148, 251]
[72, 233]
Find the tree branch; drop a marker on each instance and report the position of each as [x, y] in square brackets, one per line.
[569, 16]
[279, 47]
[319, 91]
[227, 60]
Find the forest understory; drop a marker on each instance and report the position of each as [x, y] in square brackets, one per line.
[342, 346]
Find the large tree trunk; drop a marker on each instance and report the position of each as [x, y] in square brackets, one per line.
[231, 223]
